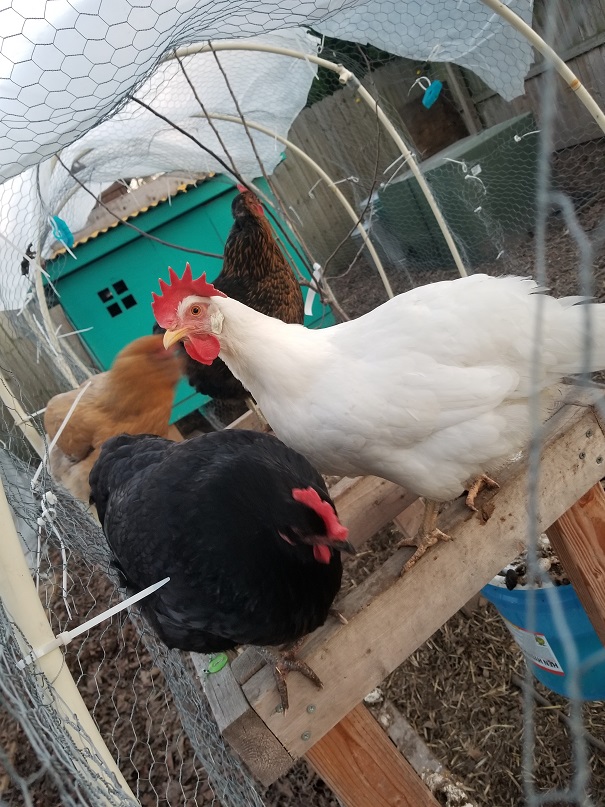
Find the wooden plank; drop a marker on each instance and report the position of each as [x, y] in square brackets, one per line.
[21, 418]
[174, 434]
[578, 538]
[455, 81]
[391, 616]
[366, 504]
[409, 521]
[430, 769]
[249, 421]
[241, 727]
[363, 767]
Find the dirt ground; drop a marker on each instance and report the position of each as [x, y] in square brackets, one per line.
[458, 691]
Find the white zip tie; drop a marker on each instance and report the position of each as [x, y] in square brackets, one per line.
[461, 163]
[338, 182]
[64, 638]
[31, 417]
[420, 80]
[29, 297]
[45, 335]
[58, 434]
[46, 520]
[518, 138]
[395, 161]
[477, 179]
[50, 283]
[294, 213]
[311, 294]
[72, 333]
[403, 161]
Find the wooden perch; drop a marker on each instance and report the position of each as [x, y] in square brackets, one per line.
[578, 538]
[363, 767]
[390, 616]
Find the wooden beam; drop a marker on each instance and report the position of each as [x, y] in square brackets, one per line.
[21, 418]
[241, 727]
[248, 421]
[455, 81]
[363, 767]
[430, 769]
[391, 616]
[174, 434]
[366, 504]
[578, 538]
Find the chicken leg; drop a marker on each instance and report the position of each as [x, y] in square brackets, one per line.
[427, 535]
[283, 662]
[483, 481]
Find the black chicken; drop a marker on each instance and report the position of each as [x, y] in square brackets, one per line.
[256, 273]
[243, 526]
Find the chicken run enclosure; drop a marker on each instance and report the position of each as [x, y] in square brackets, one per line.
[392, 145]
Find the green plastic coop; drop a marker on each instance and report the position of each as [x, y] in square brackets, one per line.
[107, 287]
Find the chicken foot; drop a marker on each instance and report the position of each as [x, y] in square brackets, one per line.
[483, 481]
[283, 662]
[427, 535]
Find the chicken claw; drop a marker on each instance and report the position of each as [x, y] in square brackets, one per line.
[427, 535]
[422, 541]
[483, 481]
[284, 662]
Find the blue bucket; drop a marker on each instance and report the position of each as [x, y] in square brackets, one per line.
[543, 647]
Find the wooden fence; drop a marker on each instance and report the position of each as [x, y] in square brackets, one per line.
[580, 41]
[342, 135]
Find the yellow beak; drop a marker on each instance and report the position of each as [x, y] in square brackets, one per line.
[170, 337]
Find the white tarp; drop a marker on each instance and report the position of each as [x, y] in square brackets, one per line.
[64, 65]
[135, 143]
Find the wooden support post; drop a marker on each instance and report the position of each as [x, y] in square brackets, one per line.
[578, 538]
[22, 419]
[390, 616]
[241, 727]
[458, 89]
[363, 767]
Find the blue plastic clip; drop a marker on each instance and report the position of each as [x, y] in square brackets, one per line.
[431, 94]
[62, 232]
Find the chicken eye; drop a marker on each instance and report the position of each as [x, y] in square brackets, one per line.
[196, 310]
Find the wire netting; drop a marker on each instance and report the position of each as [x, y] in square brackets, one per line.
[513, 160]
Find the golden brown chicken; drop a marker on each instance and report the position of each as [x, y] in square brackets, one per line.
[135, 396]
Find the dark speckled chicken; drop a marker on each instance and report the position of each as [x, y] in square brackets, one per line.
[242, 525]
[256, 273]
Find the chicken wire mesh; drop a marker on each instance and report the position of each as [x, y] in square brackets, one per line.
[486, 152]
[154, 717]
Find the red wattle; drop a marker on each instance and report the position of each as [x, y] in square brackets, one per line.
[204, 349]
[322, 553]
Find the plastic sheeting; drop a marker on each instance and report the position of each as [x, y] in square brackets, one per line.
[135, 143]
[64, 65]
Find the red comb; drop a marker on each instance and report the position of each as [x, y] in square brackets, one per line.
[164, 305]
[310, 497]
[242, 189]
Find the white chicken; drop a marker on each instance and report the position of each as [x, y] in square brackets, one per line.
[429, 390]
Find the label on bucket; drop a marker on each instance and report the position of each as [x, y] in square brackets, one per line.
[536, 648]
